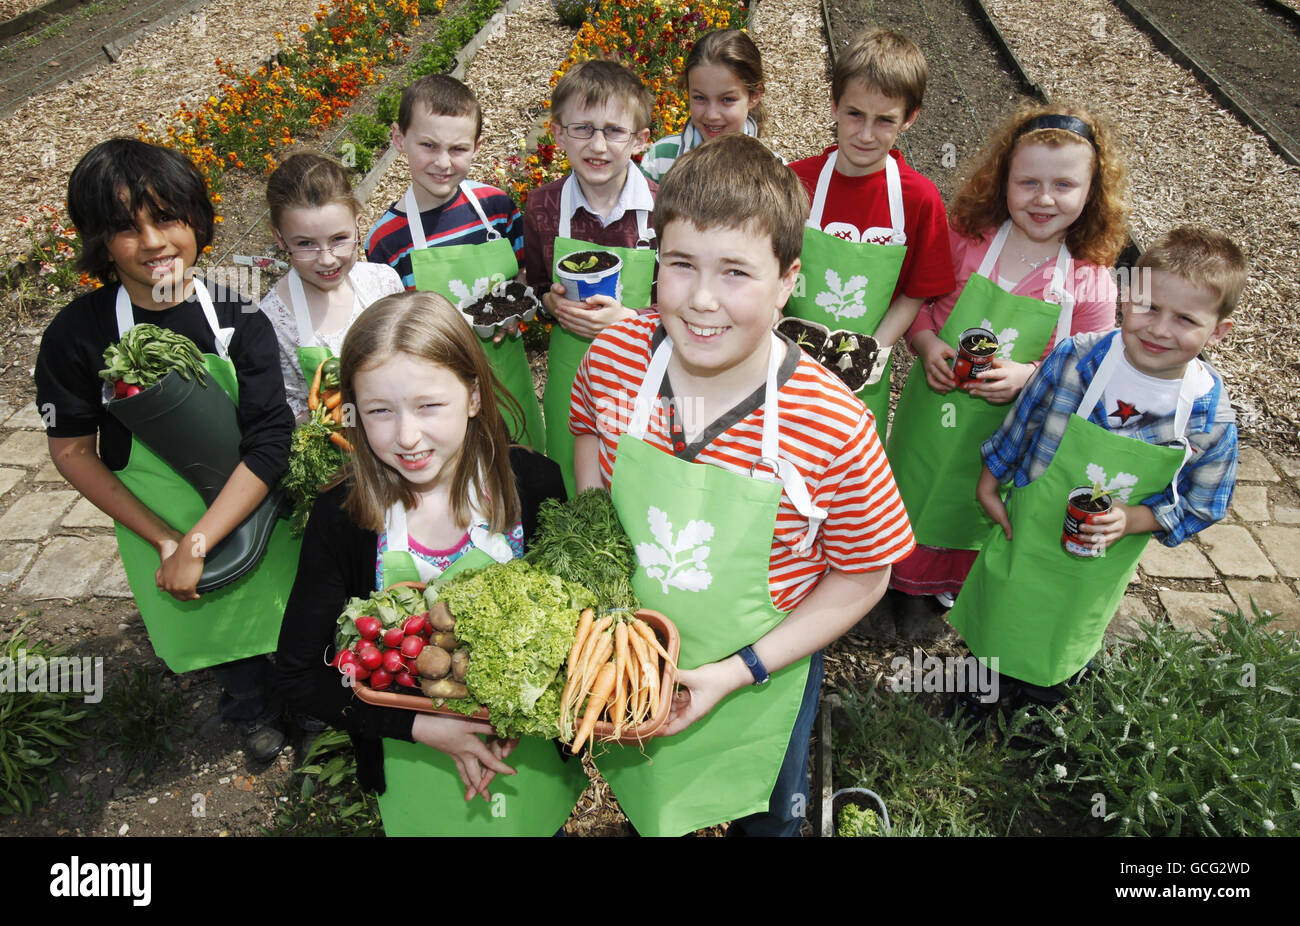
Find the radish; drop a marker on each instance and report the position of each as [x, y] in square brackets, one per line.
[380, 680]
[371, 658]
[393, 637]
[415, 624]
[345, 659]
[369, 627]
[411, 646]
[392, 661]
[406, 679]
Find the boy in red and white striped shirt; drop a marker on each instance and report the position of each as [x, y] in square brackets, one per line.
[730, 232]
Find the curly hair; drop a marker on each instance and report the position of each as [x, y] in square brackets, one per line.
[1101, 231]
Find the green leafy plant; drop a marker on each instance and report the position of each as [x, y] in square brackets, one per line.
[36, 729]
[582, 540]
[1184, 733]
[313, 461]
[846, 345]
[324, 797]
[573, 13]
[802, 340]
[857, 821]
[140, 719]
[983, 344]
[574, 266]
[147, 353]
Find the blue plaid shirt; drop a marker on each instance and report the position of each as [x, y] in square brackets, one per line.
[1028, 438]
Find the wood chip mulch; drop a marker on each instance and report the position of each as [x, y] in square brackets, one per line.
[1191, 162]
[11, 9]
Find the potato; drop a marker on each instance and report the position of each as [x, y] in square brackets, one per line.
[440, 616]
[444, 639]
[460, 664]
[433, 662]
[443, 688]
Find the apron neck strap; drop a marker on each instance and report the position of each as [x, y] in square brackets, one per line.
[995, 251]
[1106, 370]
[1057, 290]
[399, 538]
[220, 336]
[644, 231]
[893, 188]
[301, 313]
[413, 221]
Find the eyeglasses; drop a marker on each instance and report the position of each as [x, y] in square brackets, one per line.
[614, 134]
[341, 249]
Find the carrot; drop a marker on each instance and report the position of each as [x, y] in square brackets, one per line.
[336, 416]
[641, 657]
[585, 620]
[341, 441]
[600, 693]
[570, 699]
[333, 399]
[633, 688]
[620, 661]
[648, 634]
[313, 394]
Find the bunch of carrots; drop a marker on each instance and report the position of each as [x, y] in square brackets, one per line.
[325, 393]
[614, 666]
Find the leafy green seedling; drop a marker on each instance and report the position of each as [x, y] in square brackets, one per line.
[574, 266]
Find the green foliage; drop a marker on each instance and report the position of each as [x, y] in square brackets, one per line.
[36, 728]
[139, 718]
[581, 540]
[324, 796]
[313, 461]
[1185, 735]
[573, 13]
[857, 821]
[439, 55]
[147, 353]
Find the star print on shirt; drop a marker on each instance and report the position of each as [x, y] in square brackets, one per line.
[1124, 411]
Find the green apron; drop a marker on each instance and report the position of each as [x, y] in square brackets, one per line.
[463, 272]
[636, 282]
[1042, 612]
[703, 538]
[236, 621]
[848, 284]
[311, 353]
[424, 795]
[934, 446]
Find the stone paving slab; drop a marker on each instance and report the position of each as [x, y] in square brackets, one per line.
[1250, 503]
[1194, 610]
[1253, 466]
[14, 560]
[1131, 612]
[27, 417]
[1234, 552]
[1288, 465]
[24, 448]
[84, 514]
[1286, 515]
[68, 568]
[10, 477]
[1283, 546]
[1276, 597]
[1184, 561]
[112, 583]
[49, 473]
[33, 516]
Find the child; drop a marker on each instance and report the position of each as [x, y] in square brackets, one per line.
[144, 216]
[724, 82]
[1134, 413]
[601, 118]
[1034, 229]
[876, 242]
[762, 506]
[434, 488]
[314, 218]
[475, 227]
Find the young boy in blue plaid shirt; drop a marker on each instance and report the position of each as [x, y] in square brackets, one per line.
[1144, 382]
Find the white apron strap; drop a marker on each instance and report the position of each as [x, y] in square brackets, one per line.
[301, 314]
[644, 231]
[819, 195]
[220, 336]
[1058, 291]
[492, 233]
[566, 207]
[995, 250]
[413, 221]
[894, 187]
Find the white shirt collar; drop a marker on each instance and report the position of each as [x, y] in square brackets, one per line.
[635, 195]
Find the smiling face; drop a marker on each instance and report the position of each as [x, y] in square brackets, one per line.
[720, 294]
[601, 165]
[152, 257]
[867, 123]
[415, 414]
[320, 227]
[1047, 188]
[719, 101]
[1164, 334]
[440, 150]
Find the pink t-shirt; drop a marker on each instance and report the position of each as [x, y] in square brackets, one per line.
[1092, 286]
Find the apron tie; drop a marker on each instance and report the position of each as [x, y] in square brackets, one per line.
[1057, 291]
[221, 336]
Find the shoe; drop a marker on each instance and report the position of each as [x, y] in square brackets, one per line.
[262, 741]
[947, 599]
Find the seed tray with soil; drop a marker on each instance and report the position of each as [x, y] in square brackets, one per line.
[850, 356]
[506, 303]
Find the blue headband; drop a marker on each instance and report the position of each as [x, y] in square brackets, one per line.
[1058, 121]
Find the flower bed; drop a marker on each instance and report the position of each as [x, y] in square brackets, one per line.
[653, 38]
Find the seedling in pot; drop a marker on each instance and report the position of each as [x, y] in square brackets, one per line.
[975, 350]
[1084, 505]
[580, 266]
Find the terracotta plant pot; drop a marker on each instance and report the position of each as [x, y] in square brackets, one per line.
[1080, 509]
[971, 359]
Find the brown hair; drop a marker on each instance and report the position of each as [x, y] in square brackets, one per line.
[597, 82]
[731, 182]
[306, 180]
[424, 325]
[1202, 257]
[442, 95]
[735, 51]
[885, 61]
[1100, 232]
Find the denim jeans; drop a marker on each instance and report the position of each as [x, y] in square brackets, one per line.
[788, 805]
[248, 694]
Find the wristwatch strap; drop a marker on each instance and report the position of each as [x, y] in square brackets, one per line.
[756, 667]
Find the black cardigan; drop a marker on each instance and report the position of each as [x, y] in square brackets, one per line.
[338, 563]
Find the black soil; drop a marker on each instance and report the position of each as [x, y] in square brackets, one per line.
[810, 338]
[969, 344]
[604, 260]
[861, 351]
[515, 299]
[1255, 55]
